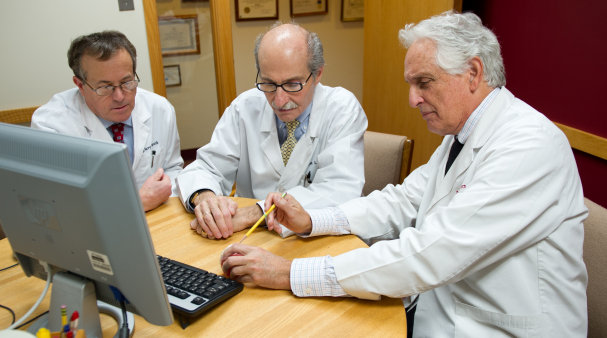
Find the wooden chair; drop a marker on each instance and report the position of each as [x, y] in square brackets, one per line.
[595, 257]
[16, 116]
[387, 160]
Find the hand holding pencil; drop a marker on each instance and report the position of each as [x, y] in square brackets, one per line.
[288, 213]
[261, 219]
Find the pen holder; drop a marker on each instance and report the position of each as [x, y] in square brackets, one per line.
[79, 334]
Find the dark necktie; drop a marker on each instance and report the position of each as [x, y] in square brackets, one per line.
[455, 149]
[118, 131]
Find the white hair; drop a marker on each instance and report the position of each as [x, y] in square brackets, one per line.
[458, 38]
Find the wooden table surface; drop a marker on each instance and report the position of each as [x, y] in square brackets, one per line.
[255, 312]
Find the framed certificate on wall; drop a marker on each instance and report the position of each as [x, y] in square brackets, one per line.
[248, 10]
[309, 7]
[352, 10]
[172, 76]
[179, 35]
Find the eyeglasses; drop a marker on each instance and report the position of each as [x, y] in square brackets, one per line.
[287, 87]
[108, 90]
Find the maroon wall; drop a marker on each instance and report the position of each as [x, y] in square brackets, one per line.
[555, 53]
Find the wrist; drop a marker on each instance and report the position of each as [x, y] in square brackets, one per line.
[198, 196]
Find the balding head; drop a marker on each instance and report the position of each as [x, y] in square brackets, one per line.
[287, 39]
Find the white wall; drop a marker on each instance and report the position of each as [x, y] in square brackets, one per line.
[342, 41]
[35, 36]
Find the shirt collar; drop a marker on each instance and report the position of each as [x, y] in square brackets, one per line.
[476, 115]
[302, 117]
[107, 124]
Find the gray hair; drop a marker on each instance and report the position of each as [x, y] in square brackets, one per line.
[101, 46]
[316, 59]
[459, 38]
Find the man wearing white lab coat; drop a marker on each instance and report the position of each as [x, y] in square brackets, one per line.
[325, 167]
[104, 66]
[490, 238]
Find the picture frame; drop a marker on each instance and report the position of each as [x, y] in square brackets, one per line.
[352, 10]
[172, 76]
[179, 35]
[251, 10]
[309, 7]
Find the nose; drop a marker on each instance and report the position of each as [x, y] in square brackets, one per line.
[415, 99]
[281, 97]
[118, 94]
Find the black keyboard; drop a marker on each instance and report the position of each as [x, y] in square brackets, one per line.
[192, 291]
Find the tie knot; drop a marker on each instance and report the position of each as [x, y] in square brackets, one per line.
[292, 125]
[118, 131]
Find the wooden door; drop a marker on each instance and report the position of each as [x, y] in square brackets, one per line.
[385, 92]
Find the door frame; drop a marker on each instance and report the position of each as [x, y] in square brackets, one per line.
[223, 51]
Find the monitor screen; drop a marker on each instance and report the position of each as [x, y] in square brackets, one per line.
[73, 203]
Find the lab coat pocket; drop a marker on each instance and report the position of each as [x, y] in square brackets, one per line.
[309, 174]
[474, 322]
[153, 159]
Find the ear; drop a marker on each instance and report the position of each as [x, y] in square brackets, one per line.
[475, 73]
[79, 84]
[319, 75]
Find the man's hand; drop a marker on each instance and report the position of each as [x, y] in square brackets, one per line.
[214, 215]
[155, 190]
[289, 213]
[250, 264]
[242, 219]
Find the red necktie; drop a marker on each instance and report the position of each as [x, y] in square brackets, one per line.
[118, 130]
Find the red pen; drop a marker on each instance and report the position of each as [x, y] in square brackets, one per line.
[74, 322]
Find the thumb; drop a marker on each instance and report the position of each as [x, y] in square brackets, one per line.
[158, 174]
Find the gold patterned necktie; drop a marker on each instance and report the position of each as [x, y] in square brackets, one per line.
[290, 142]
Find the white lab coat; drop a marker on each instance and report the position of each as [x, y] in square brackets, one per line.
[154, 129]
[245, 149]
[494, 247]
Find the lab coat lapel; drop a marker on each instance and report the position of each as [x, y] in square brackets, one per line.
[141, 131]
[269, 144]
[483, 130]
[303, 149]
[93, 126]
[462, 162]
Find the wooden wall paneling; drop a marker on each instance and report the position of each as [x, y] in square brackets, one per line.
[223, 51]
[385, 92]
[14, 116]
[151, 27]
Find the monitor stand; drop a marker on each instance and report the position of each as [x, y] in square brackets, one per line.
[78, 294]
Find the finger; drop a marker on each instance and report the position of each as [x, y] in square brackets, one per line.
[158, 174]
[227, 215]
[221, 255]
[194, 224]
[218, 227]
[206, 222]
[233, 205]
[203, 230]
[165, 178]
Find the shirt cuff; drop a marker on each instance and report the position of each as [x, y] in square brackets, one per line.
[315, 277]
[328, 221]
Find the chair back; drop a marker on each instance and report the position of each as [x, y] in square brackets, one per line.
[595, 257]
[17, 116]
[387, 160]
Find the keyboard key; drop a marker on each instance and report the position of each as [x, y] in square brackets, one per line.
[198, 301]
[183, 295]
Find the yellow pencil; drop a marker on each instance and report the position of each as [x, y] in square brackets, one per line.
[261, 219]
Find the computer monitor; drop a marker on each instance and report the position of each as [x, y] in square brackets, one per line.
[73, 203]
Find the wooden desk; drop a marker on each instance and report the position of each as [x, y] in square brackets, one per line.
[255, 312]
